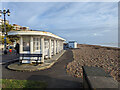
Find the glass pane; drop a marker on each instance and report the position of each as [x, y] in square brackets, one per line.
[37, 48]
[37, 44]
[26, 44]
[37, 39]
[34, 46]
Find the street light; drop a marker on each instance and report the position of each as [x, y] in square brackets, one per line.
[4, 12]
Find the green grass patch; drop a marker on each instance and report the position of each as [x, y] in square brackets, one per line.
[12, 83]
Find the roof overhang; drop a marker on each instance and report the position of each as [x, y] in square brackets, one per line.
[35, 33]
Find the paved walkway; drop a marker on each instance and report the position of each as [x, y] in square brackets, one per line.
[8, 57]
[33, 67]
[56, 76]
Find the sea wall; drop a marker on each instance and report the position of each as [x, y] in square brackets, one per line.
[96, 77]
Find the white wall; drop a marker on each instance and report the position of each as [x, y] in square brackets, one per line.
[72, 44]
[75, 45]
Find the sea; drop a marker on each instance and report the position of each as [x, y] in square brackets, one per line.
[109, 44]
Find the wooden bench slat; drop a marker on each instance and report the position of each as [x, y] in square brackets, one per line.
[31, 55]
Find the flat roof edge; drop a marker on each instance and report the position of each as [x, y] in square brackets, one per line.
[42, 33]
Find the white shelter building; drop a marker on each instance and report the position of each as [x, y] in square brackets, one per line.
[72, 44]
[39, 42]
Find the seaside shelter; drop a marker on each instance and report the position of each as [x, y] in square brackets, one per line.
[38, 42]
[72, 44]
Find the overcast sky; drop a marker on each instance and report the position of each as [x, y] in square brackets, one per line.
[84, 22]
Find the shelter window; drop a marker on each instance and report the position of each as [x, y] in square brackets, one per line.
[26, 44]
[46, 44]
[36, 44]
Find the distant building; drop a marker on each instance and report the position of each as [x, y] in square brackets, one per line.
[2, 21]
[24, 28]
[18, 27]
[72, 44]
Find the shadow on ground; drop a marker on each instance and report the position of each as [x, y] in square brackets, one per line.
[55, 82]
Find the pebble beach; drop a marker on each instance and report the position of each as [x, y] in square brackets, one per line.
[95, 56]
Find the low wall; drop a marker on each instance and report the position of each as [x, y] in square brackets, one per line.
[96, 77]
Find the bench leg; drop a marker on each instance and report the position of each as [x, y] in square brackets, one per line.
[41, 62]
[36, 62]
[20, 62]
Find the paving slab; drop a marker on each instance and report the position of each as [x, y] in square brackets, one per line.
[33, 67]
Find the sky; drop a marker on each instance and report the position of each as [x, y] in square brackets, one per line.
[84, 22]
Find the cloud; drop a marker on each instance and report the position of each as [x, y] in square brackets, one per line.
[70, 20]
[97, 34]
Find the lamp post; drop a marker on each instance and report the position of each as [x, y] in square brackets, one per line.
[4, 12]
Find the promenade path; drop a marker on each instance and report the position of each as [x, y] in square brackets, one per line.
[56, 76]
[8, 57]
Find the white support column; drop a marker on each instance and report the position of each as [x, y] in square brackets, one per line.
[54, 47]
[62, 45]
[21, 44]
[57, 47]
[31, 44]
[42, 47]
[39, 43]
[49, 48]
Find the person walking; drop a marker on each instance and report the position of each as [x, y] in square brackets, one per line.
[17, 48]
[10, 50]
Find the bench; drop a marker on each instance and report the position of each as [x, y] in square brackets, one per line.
[21, 57]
